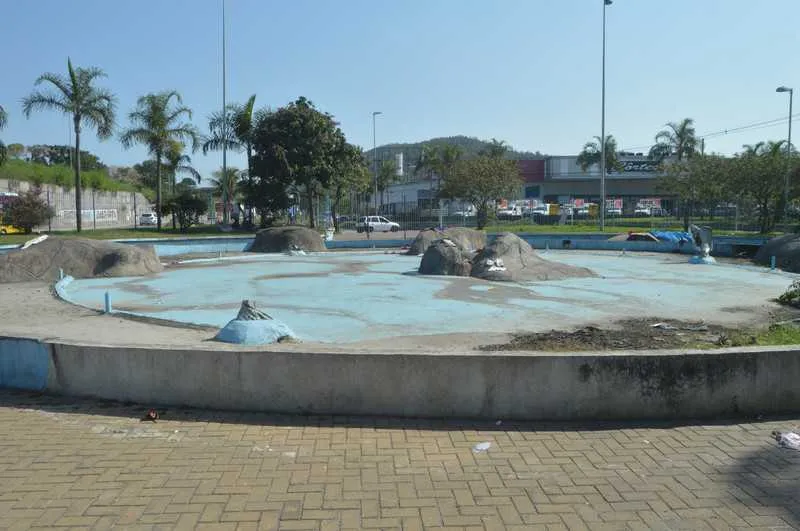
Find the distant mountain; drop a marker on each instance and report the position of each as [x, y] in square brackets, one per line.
[470, 146]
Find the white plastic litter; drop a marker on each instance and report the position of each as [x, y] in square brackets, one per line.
[481, 447]
[498, 422]
[787, 439]
[34, 241]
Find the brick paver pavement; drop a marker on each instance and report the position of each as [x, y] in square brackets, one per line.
[90, 464]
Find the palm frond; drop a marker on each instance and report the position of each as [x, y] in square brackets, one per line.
[45, 101]
[138, 135]
[58, 81]
[3, 117]
[215, 143]
[3, 153]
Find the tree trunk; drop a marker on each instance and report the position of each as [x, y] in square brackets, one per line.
[173, 198]
[337, 197]
[312, 222]
[158, 191]
[481, 216]
[78, 187]
[249, 209]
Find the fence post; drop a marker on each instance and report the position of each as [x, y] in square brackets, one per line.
[49, 210]
[94, 213]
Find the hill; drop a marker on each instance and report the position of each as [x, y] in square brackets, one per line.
[469, 145]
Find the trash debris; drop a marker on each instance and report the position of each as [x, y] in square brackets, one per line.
[787, 439]
[498, 422]
[481, 447]
[290, 454]
[151, 416]
[663, 326]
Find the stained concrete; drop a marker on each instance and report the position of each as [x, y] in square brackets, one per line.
[349, 297]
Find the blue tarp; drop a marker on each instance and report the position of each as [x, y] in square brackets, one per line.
[672, 236]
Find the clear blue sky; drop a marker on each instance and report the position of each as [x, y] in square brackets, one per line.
[525, 71]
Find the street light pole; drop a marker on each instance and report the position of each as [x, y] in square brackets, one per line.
[606, 3]
[225, 191]
[788, 156]
[375, 159]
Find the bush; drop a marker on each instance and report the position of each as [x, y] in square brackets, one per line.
[791, 297]
[187, 207]
[28, 211]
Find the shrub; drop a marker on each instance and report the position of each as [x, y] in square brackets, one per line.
[187, 207]
[791, 297]
[28, 211]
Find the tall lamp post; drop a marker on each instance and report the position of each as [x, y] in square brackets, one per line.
[375, 159]
[788, 156]
[606, 3]
[225, 191]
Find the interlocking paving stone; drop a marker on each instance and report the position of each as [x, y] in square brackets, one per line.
[93, 464]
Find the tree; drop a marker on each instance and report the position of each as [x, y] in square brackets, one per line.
[233, 129]
[186, 206]
[28, 210]
[590, 154]
[227, 185]
[77, 96]
[16, 151]
[495, 148]
[351, 174]
[297, 145]
[696, 181]
[481, 181]
[759, 174]
[677, 140]
[3, 121]
[157, 123]
[50, 155]
[387, 174]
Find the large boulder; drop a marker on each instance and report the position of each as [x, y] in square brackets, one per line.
[283, 239]
[79, 258]
[785, 249]
[510, 258]
[254, 327]
[445, 257]
[469, 239]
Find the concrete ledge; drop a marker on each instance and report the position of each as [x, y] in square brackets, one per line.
[533, 386]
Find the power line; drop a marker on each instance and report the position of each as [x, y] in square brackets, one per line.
[748, 127]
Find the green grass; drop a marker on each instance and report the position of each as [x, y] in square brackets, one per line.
[777, 334]
[20, 170]
[123, 234]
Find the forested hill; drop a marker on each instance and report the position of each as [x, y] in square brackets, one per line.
[470, 147]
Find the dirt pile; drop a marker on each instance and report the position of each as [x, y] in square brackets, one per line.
[79, 258]
[468, 239]
[510, 258]
[282, 239]
[785, 249]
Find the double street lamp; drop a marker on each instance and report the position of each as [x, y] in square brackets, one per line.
[788, 155]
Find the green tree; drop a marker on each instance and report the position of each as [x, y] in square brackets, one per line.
[387, 175]
[77, 96]
[297, 145]
[481, 181]
[186, 206]
[233, 129]
[495, 148]
[759, 174]
[28, 210]
[677, 140]
[156, 123]
[351, 174]
[227, 185]
[3, 122]
[590, 154]
[16, 151]
[696, 181]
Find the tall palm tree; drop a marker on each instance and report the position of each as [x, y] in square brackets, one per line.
[156, 123]
[77, 96]
[233, 129]
[177, 162]
[3, 121]
[227, 184]
[590, 154]
[677, 140]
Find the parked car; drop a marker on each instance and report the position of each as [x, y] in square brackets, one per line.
[148, 218]
[613, 211]
[376, 223]
[10, 229]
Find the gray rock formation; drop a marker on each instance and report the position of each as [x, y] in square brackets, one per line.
[785, 249]
[79, 258]
[445, 257]
[510, 258]
[285, 239]
[469, 239]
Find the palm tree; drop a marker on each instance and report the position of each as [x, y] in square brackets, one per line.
[677, 140]
[495, 149]
[590, 154]
[3, 121]
[233, 129]
[88, 105]
[157, 123]
[227, 185]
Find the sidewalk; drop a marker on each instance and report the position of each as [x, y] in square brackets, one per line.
[92, 464]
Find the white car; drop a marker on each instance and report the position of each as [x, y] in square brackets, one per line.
[613, 211]
[376, 224]
[148, 218]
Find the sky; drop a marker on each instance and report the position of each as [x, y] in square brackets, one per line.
[524, 71]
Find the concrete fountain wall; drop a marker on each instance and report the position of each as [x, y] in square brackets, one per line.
[629, 385]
